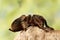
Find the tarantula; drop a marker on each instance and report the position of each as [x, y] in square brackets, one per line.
[23, 22]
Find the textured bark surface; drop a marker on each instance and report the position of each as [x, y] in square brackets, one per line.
[35, 33]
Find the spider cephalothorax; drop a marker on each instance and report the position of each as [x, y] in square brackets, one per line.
[23, 22]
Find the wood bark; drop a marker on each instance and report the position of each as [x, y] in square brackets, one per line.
[35, 33]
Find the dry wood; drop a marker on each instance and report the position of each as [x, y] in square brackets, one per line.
[35, 33]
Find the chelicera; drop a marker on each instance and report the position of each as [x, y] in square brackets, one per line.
[23, 22]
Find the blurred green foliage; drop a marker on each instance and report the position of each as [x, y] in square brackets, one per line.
[12, 9]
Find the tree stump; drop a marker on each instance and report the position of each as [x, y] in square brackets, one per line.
[35, 33]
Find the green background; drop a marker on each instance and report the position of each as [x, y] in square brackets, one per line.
[12, 9]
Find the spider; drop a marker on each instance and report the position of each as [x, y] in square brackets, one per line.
[23, 22]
